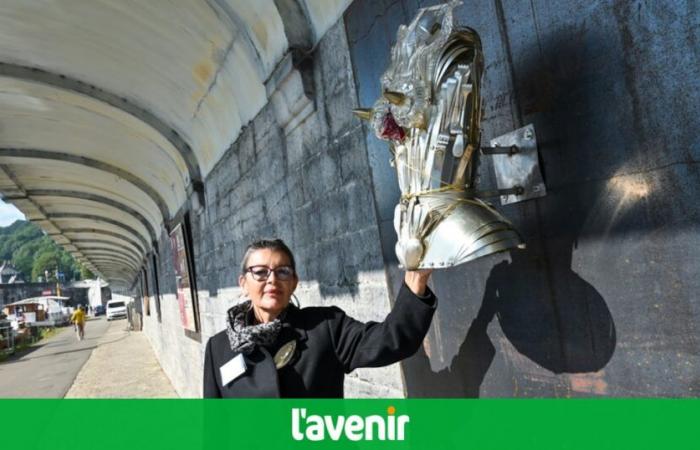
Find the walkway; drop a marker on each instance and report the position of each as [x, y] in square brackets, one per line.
[122, 366]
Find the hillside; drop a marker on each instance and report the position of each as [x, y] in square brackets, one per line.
[33, 253]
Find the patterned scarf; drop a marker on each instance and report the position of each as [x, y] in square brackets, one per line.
[243, 337]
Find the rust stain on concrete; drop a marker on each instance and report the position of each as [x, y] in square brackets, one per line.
[260, 33]
[202, 71]
[590, 383]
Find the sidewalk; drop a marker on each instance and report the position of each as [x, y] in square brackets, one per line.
[123, 365]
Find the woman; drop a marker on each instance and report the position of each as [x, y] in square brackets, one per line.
[272, 348]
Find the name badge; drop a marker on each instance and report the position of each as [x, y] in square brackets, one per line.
[232, 369]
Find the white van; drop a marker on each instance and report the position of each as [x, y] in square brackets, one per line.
[116, 309]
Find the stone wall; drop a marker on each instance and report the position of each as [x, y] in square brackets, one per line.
[310, 186]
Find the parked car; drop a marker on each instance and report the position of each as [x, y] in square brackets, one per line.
[116, 309]
[98, 310]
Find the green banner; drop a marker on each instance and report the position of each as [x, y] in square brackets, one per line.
[351, 424]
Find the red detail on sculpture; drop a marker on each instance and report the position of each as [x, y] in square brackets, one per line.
[391, 129]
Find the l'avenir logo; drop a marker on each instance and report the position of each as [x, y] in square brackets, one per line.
[314, 427]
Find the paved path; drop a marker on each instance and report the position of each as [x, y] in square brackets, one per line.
[123, 365]
[48, 369]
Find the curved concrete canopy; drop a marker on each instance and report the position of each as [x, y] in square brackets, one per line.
[73, 206]
[113, 113]
[90, 251]
[95, 233]
[106, 244]
[37, 116]
[49, 196]
[56, 162]
[112, 266]
[97, 258]
[89, 255]
[111, 260]
[110, 270]
[67, 220]
[60, 179]
[117, 273]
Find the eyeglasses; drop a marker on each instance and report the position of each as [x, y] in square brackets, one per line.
[262, 273]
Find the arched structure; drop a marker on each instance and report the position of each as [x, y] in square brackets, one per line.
[112, 113]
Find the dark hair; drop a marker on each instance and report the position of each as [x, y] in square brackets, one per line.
[271, 244]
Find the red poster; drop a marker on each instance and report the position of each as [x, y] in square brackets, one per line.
[182, 277]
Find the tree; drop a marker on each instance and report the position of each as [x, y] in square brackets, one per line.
[23, 258]
[32, 252]
[46, 262]
[85, 273]
[15, 236]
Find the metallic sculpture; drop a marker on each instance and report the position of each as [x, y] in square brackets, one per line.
[430, 113]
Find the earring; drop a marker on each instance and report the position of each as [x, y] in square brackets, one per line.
[296, 301]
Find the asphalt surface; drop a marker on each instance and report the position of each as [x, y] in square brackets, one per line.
[48, 369]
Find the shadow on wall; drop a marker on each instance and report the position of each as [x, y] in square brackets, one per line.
[546, 311]
[575, 336]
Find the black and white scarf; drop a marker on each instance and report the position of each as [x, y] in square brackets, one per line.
[242, 336]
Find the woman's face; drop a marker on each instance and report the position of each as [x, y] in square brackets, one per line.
[271, 295]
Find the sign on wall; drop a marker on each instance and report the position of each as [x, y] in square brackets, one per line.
[185, 295]
[145, 293]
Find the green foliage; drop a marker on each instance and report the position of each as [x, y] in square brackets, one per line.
[85, 273]
[45, 263]
[33, 253]
[15, 235]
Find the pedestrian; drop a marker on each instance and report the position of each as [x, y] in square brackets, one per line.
[272, 348]
[78, 318]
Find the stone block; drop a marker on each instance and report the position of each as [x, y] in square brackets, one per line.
[311, 179]
[339, 95]
[295, 148]
[339, 114]
[295, 183]
[270, 168]
[359, 204]
[289, 96]
[245, 148]
[360, 249]
[314, 135]
[266, 126]
[331, 215]
[331, 266]
[352, 157]
[300, 218]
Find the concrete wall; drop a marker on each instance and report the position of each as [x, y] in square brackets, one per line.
[310, 186]
[604, 300]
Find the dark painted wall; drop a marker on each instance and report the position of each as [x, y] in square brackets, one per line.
[604, 300]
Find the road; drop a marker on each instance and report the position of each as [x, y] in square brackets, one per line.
[48, 369]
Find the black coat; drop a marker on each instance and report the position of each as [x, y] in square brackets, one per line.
[329, 345]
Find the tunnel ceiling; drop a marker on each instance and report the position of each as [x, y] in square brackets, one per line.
[112, 113]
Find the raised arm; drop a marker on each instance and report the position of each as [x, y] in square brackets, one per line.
[376, 344]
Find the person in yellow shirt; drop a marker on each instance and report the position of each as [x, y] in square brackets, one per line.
[78, 318]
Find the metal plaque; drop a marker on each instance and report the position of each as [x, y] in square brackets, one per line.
[521, 168]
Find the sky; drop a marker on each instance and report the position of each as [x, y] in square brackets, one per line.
[8, 214]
